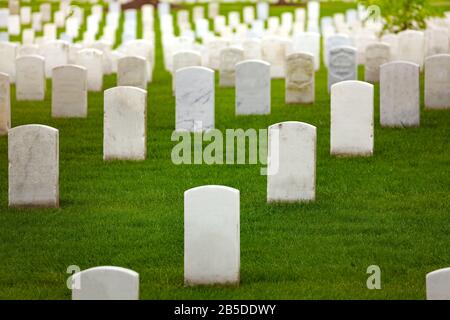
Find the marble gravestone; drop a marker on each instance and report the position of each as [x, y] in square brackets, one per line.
[399, 94]
[211, 236]
[28, 49]
[8, 52]
[194, 92]
[342, 65]
[437, 41]
[229, 57]
[392, 41]
[56, 53]
[5, 104]
[299, 83]
[335, 41]
[92, 60]
[214, 47]
[252, 87]
[252, 49]
[291, 173]
[30, 78]
[376, 55]
[411, 46]
[105, 283]
[184, 59]
[308, 42]
[69, 92]
[437, 82]
[274, 51]
[438, 284]
[132, 71]
[33, 155]
[352, 119]
[125, 124]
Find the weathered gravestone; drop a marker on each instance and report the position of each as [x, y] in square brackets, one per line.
[308, 42]
[399, 94]
[352, 119]
[132, 71]
[184, 59]
[291, 175]
[300, 78]
[438, 284]
[8, 59]
[125, 124]
[211, 236]
[194, 91]
[91, 59]
[437, 82]
[69, 92]
[5, 104]
[342, 65]
[30, 78]
[274, 51]
[335, 41]
[56, 53]
[105, 283]
[376, 55]
[252, 87]
[229, 57]
[411, 46]
[33, 155]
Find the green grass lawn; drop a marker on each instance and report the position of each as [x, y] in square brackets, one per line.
[391, 210]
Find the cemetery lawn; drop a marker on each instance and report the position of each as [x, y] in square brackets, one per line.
[390, 210]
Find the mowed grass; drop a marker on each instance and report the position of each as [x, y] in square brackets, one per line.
[390, 210]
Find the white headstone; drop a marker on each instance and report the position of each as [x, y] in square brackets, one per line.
[194, 89]
[30, 78]
[399, 94]
[352, 118]
[56, 53]
[8, 61]
[229, 57]
[376, 55]
[308, 42]
[438, 284]
[335, 41]
[69, 92]
[105, 283]
[437, 82]
[132, 71]
[252, 87]
[5, 104]
[91, 59]
[211, 236]
[291, 162]
[274, 51]
[252, 49]
[411, 46]
[183, 59]
[299, 81]
[33, 154]
[342, 65]
[125, 124]
[392, 41]
[436, 41]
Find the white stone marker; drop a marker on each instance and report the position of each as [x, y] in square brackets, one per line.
[291, 162]
[184, 59]
[308, 42]
[211, 236]
[399, 94]
[5, 104]
[91, 59]
[125, 124]
[352, 118]
[214, 47]
[229, 57]
[437, 41]
[376, 55]
[299, 82]
[33, 154]
[132, 71]
[438, 284]
[342, 65]
[335, 41]
[252, 49]
[105, 283]
[194, 91]
[69, 92]
[252, 87]
[437, 82]
[30, 78]
[8, 59]
[411, 46]
[28, 49]
[274, 51]
[56, 53]
[392, 41]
